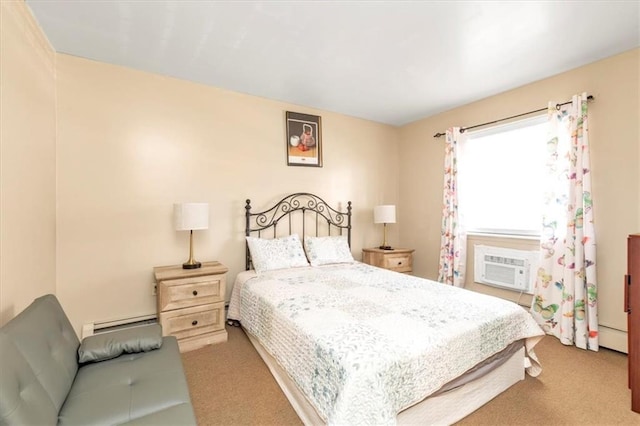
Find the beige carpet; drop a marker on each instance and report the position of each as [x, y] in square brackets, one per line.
[230, 385]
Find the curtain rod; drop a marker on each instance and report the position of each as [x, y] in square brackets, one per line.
[464, 129]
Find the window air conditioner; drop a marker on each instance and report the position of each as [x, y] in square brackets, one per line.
[505, 268]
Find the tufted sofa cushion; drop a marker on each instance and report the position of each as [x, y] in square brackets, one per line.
[130, 387]
[20, 390]
[45, 340]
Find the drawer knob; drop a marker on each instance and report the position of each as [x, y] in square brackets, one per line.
[194, 322]
[399, 263]
[195, 292]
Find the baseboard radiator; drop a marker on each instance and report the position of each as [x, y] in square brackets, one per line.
[97, 327]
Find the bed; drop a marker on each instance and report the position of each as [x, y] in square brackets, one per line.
[350, 343]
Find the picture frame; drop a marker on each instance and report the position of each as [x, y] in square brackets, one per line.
[303, 139]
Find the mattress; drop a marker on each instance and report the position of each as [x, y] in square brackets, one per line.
[363, 343]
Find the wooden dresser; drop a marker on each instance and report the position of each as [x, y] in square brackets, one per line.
[632, 307]
[397, 259]
[191, 303]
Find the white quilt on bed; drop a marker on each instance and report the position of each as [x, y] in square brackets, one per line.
[364, 343]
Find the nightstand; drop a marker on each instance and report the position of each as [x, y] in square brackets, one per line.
[191, 303]
[397, 259]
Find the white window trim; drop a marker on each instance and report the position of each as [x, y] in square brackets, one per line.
[506, 127]
[475, 233]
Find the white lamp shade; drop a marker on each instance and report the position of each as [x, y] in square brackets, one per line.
[191, 216]
[384, 214]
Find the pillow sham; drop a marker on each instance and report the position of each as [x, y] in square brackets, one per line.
[327, 250]
[276, 253]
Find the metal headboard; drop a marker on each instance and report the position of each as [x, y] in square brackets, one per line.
[299, 202]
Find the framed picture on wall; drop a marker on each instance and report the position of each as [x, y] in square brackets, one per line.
[304, 140]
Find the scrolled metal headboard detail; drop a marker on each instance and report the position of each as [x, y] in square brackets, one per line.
[299, 202]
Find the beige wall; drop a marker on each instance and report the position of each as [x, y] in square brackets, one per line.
[130, 144]
[615, 144]
[27, 156]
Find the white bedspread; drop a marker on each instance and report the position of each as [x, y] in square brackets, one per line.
[363, 343]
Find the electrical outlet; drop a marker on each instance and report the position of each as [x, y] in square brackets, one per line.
[154, 289]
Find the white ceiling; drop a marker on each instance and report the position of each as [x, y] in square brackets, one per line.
[388, 61]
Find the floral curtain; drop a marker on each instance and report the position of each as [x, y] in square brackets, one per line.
[453, 242]
[565, 295]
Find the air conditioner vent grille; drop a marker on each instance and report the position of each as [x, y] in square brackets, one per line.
[500, 274]
[504, 260]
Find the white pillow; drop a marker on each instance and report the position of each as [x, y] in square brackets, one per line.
[326, 250]
[276, 253]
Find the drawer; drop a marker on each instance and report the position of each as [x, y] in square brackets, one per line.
[189, 322]
[398, 263]
[186, 292]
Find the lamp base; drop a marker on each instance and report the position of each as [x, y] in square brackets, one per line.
[194, 265]
[385, 248]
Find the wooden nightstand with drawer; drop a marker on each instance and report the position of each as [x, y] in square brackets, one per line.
[397, 259]
[191, 303]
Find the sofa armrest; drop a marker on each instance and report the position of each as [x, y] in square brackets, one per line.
[112, 344]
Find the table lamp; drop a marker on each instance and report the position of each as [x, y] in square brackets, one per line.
[384, 214]
[191, 217]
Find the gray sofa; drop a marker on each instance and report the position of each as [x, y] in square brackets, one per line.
[47, 377]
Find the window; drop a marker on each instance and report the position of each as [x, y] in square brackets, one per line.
[500, 171]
